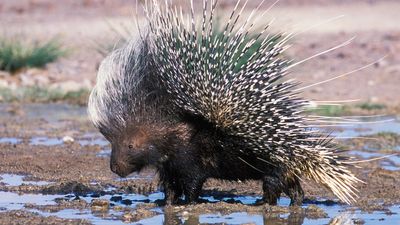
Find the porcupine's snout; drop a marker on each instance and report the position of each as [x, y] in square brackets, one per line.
[133, 156]
[118, 163]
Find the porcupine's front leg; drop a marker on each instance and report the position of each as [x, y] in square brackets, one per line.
[172, 188]
[172, 194]
[192, 188]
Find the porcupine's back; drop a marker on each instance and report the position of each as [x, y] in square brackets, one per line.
[204, 76]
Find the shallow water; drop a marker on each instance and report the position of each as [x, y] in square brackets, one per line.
[371, 126]
[17, 180]
[11, 201]
[10, 140]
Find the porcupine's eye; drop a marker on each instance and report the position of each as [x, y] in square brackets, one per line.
[130, 146]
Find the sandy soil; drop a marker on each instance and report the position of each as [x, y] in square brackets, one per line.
[85, 25]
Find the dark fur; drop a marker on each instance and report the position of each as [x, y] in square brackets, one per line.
[186, 155]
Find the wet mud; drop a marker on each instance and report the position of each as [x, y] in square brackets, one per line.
[54, 169]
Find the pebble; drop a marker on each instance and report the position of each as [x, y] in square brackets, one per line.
[100, 205]
[127, 217]
[68, 139]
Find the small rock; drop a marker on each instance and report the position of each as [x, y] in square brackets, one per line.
[185, 215]
[126, 202]
[118, 208]
[116, 198]
[26, 80]
[314, 211]
[358, 221]
[68, 139]
[127, 217]
[381, 63]
[100, 205]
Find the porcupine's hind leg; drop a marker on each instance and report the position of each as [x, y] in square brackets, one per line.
[294, 190]
[272, 189]
[274, 185]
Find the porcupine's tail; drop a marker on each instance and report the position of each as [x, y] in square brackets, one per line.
[235, 80]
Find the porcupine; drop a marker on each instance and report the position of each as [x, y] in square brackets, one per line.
[181, 101]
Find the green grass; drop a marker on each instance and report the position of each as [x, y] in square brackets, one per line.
[371, 106]
[329, 110]
[16, 54]
[39, 94]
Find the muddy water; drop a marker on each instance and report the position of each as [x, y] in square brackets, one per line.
[50, 178]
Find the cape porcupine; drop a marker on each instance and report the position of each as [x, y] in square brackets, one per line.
[181, 100]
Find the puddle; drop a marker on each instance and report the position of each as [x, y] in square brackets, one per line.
[45, 141]
[372, 126]
[17, 180]
[10, 140]
[14, 201]
[97, 141]
[136, 177]
[102, 219]
[104, 153]
[93, 139]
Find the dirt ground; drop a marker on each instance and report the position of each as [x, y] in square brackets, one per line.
[77, 170]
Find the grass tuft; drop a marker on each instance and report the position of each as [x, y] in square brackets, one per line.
[329, 110]
[371, 106]
[16, 54]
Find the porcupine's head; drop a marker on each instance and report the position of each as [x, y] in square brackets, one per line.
[126, 107]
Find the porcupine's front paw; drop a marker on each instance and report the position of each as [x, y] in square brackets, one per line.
[172, 193]
[192, 190]
[171, 198]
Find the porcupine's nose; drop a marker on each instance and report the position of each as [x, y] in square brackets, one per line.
[118, 165]
[119, 168]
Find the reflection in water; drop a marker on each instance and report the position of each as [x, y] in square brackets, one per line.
[293, 218]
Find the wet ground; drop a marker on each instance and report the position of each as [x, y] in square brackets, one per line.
[54, 170]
